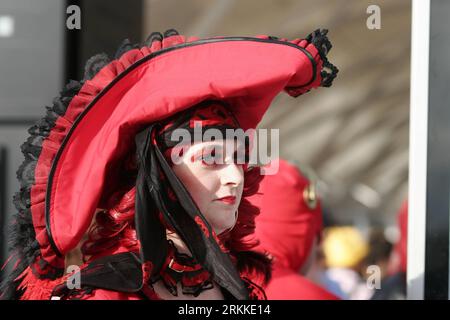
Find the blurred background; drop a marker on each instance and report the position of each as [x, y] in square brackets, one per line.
[353, 136]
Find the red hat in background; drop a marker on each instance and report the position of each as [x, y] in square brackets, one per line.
[290, 217]
[289, 221]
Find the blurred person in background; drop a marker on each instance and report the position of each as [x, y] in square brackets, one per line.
[289, 228]
[393, 287]
[345, 249]
[380, 250]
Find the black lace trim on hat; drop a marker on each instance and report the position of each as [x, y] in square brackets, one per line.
[320, 40]
[22, 242]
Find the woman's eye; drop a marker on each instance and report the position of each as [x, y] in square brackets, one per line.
[209, 160]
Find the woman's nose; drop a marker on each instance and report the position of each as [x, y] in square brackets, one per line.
[232, 174]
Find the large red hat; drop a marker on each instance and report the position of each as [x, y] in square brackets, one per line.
[74, 155]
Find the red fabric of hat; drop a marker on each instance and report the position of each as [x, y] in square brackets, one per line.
[286, 226]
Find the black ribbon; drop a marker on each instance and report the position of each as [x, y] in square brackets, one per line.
[150, 232]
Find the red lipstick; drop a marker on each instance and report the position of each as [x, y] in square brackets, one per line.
[228, 199]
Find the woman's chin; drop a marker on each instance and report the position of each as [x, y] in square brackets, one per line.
[222, 218]
[223, 227]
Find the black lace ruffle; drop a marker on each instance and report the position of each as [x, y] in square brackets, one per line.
[320, 40]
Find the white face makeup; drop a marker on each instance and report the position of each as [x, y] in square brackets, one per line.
[215, 186]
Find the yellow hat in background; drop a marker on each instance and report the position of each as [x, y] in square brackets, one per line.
[344, 247]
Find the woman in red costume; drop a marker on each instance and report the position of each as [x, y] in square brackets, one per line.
[101, 164]
[288, 228]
